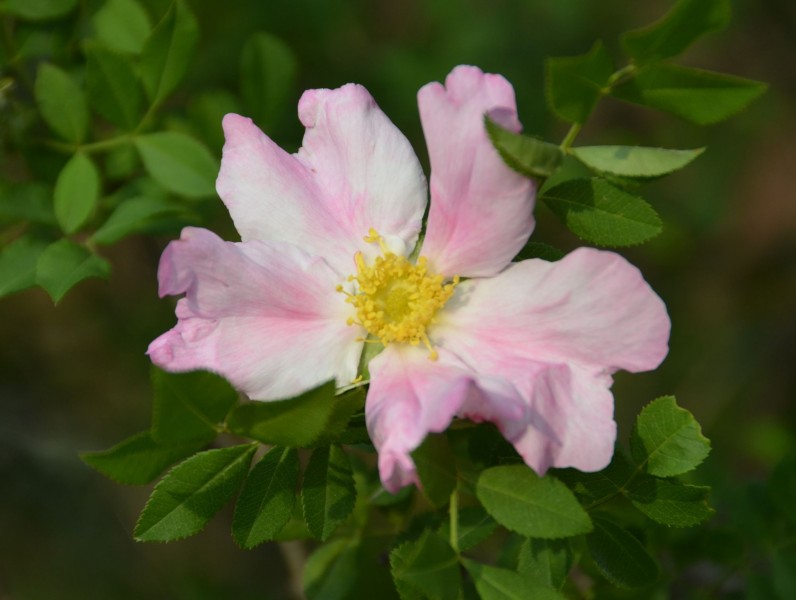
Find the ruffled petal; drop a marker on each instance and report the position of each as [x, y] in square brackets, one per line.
[481, 211]
[257, 313]
[557, 331]
[355, 171]
[411, 396]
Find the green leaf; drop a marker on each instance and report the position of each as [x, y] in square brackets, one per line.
[427, 567]
[670, 502]
[267, 76]
[29, 201]
[168, 51]
[189, 406]
[267, 499]
[61, 102]
[138, 459]
[702, 97]
[328, 493]
[77, 190]
[546, 562]
[331, 571]
[38, 10]
[474, 526]
[113, 87]
[677, 30]
[634, 161]
[573, 85]
[179, 163]
[207, 111]
[601, 213]
[602, 485]
[494, 583]
[667, 440]
[299, 422]
[539, 250]
[436, 468]
[18, 265]
[142, 214]
[64, 264]
[619, 556]
[782, 487]
[122, 25]
[527, 155]
[531, 505]
[192, 492]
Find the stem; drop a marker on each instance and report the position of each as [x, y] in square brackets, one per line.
[100, 146]
[453, 511]
[570, 137]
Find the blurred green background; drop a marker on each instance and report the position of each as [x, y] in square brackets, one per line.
[76, 378]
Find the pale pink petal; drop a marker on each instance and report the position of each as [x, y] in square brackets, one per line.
[557, 331]
[265, 315]
[481, 211]
[411, 396]
[355, 171]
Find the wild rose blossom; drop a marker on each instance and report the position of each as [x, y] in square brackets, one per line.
[323, 266]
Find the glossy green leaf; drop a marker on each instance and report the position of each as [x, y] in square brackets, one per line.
[494, 583]
[61, 103]
[77, 191]
[122, 25]
[601, 213]
[179, 163]
[113, 87]
[189, 406]
[192, 492]
[142, 214]
[267, 76]
[64, 264]
[533, 506]
[427, 566]
[474, 526]
[328, 493]
[573, 85]
[28, 201]
[667, 440]
[38, 10]
[436, 468]
[298, 422]
[546, 562]
[619, 556]
[677, 30]
[670, 502]
[634, 161]
[702, 97]
[539, 250]
[138, 459]
[266, 501]
[18, 265]
[331, 571]
[167, 52]
[527, 155]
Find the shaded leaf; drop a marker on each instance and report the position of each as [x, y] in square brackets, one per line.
[539, 250]
[178, 162]
[192, 492]
[602, 485]
[328, 493]
[61, 102]
[436, 468]
[527, 155]
[29, 201]
[113, 87]
[546, 562]
[474, 526]
[603, 214]
[64, 264]
[142, 214]
[267, 75]
[122, 25]
[266, 501]
[619, 556]
[331, 571]
[667, 440]
[634, 161]
[670, 502]
[573, 85]
[494, 583]
[426, 567]
[18, 265]
[139, 459]
[77, 191]
[38, 10]
[531, 505]
[782, 487]
[702, 97]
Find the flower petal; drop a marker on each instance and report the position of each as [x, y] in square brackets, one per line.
[257, 313]
[411, 396]
[481, 211]
[355, 171]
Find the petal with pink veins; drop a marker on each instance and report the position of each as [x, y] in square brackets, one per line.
[481, 211]
[265, 315]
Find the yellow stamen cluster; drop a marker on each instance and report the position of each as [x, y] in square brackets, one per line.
[396, 301]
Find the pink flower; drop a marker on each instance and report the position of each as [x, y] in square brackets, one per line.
[322, 264]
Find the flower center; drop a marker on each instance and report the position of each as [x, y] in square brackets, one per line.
[396, 301]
